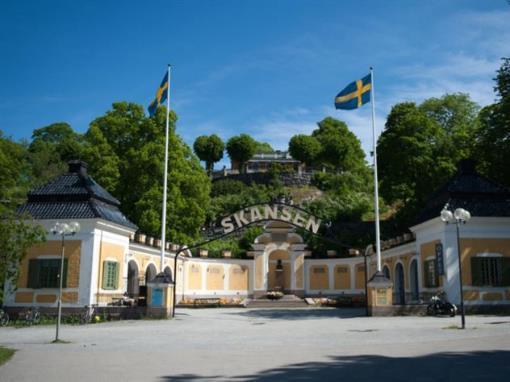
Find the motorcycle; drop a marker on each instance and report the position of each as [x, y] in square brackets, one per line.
[439, 306]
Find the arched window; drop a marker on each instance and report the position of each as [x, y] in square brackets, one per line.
[386, 272]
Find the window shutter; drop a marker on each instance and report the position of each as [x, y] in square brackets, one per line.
[476, 271]
[116, 275]
[64, 276]
[505, 271]
[33, 274]
[105, 275]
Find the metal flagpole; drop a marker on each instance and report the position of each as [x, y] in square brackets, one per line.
[376, 186]
[165, 175]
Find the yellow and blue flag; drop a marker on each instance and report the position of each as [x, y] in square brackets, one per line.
[355, 94]
[161, 96]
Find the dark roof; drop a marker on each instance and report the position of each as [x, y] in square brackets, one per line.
[74, 195]
[471, 191]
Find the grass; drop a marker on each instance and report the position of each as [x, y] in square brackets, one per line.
[5, 354]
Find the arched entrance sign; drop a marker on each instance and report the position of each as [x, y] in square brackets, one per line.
[258, 214]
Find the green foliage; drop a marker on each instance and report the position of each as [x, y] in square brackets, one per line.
[249, 236]
[431, 138]
[51, 147]
[209, 149]
[14, 173]
[340, 148]
[240, 149]
[263, 148]
[128, 149]
[305, 148]
[227, 187]
[5, 354]
[17, 235]
[494, 140]
[224, 204]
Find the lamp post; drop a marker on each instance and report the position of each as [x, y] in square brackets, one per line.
[460, 216]
[62, 229]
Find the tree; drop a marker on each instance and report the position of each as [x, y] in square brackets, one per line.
[340, 148]
[51, 148]
[132, 162]
[458, 117]
[14, 173]
[210, 150]
[494, 137]
[240, 149]
[263, 148]
[305, 148]
[409, 174]
[17, 235]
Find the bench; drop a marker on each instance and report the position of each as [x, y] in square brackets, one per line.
[206, 302]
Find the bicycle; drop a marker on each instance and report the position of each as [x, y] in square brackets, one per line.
[87, 316]
[4, 318]
[32, 316]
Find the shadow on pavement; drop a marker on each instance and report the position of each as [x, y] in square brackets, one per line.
[301, 314]
[465, 367]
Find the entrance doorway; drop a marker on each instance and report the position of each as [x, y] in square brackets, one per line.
[415, 292]
[400, 292]
[133, 288]
[278, 277]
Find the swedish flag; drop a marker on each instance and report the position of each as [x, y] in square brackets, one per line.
[161, 96]
[355, 94]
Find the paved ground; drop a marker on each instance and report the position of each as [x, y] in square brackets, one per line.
[265, 345]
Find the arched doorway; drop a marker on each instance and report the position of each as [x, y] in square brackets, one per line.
[133, 288]
[150, 273]
[400, 292]
[278, 277]
[168, 272]
[415, 291]
[386, 272]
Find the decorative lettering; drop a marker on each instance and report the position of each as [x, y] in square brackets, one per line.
[227, 225]
[255, 214]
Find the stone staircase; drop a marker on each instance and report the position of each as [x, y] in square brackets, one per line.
[287, 301]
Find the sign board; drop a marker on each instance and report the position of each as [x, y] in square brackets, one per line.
[157, 297]
[382, 297]
[439, 259]
[296, 216]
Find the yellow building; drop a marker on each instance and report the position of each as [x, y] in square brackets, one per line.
[105, 260]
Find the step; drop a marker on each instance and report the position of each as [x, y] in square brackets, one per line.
[287, 301]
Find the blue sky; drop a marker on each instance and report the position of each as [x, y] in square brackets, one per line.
[269, 68]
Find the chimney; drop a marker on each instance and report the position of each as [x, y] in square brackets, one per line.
[78, 167]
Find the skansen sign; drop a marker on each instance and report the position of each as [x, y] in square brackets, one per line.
[281, 212]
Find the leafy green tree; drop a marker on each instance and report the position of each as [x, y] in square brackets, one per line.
[240, 149]
[51, 148]
[457, 115]
[305, 148]
[209, 149]
[17, 235]
[14, 173]
[340, 148]
[494, 138]
[411, 165]
[103, 162]
[133, 163]
[226, 187]
[263, 148]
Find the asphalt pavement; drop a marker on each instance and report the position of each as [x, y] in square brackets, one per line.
[264, 345]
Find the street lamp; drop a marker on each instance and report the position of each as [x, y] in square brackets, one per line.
[460, 216]
[62, 229]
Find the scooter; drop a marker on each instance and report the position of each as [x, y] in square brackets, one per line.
[439, 306]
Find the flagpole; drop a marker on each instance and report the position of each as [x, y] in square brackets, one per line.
[376, 186]
[165, 176]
